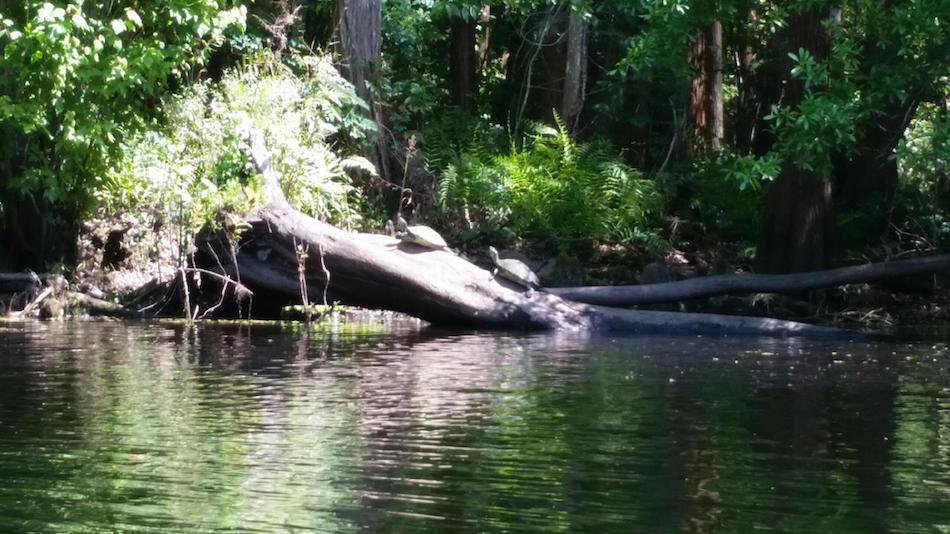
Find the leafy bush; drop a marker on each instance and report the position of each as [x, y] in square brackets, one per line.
[76, 80]
[197, 165]
[553, 190]
[923, 155]
[727, 194]
[924, 151]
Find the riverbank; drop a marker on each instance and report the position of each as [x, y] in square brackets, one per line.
[130, 269]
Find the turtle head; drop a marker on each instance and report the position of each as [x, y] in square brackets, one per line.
[493, 254]
[402, 225]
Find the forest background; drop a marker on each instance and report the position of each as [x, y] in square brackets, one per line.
[775, 136]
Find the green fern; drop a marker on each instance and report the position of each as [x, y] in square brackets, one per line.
[552, 190]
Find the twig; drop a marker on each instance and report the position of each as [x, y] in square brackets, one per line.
[527, 86]
[326, 275]
[184, 285]
[669, 152]
[224, 288]
[34, 303]
[302, 254]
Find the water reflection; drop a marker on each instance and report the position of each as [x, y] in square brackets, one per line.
[155, 427]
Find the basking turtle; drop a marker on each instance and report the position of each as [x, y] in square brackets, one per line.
[420, 235]
[514, 270]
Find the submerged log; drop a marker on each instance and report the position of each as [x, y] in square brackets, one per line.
[286, 255]
[751, 283]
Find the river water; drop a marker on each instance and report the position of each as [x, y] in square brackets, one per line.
[156, 427]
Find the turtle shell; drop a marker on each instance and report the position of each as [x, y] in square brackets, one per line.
[517, 272]
[424, 236]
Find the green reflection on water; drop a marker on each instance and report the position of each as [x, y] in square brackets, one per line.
[115, 427]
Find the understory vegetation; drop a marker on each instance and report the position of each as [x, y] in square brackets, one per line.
[196, 166]
[551, 125]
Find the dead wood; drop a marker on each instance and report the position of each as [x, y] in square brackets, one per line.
[751, 283]
[377, 271]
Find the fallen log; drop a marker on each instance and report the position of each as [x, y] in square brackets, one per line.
[97, 306]
[709, 286]
[19, 282]
[283, 252]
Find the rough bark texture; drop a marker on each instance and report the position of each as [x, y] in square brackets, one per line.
[484, 42]
[575, 72]
[751, 283]
[462, 63]
[361, 39]
[381, 272]
[798, 230]
[706, 100]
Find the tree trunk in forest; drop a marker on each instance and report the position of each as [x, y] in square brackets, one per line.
[706, 99]
[541, 91]
[320, 22]
[748, 104]
[552, 61]
[798, 230]
[361, 40]
[378, 271]
[869, 178]
[575, 72]
[484, 43]
[462, 63]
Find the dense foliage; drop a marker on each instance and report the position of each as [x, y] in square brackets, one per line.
[561, 121]
[198, 165]
[550, 190]
[77, 78]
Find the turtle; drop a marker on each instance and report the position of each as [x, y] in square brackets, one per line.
[514, 270]
[420, 235]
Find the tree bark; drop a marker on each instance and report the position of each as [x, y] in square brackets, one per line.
[706, 100]
[798, 225]
[462, 63]
[798, 231]
[868, 178]
[575, 72]
[378, 271]
[751, 283]
[484, 42]
[361, 41]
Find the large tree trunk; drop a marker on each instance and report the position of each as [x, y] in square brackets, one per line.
[381, 272]
[575, 72]
[462, 63]
[798, 231]
[868, 179]
[706, 100]
[361, 40]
